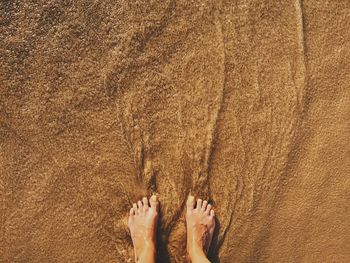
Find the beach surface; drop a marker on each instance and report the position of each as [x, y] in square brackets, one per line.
[244, 103]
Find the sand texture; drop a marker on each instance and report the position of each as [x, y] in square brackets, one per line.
[244, 102]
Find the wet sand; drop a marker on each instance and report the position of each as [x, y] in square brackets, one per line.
[246, 103]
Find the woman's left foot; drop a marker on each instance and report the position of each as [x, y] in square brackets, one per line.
[142, 224]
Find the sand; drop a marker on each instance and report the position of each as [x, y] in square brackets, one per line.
[246, 103]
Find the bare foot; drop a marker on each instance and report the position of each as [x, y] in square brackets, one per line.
[142, 224]
[200, 228]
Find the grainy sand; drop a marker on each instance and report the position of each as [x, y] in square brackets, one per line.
[246, 103]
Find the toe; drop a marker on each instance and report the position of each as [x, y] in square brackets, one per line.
[131, 217]
[204, 205]
[139, 205]
[145, 201]
[154, 202]
[212, 214]
[208, 208]
[145, 204]
[190, 203]
[199, 204]
[134, 206]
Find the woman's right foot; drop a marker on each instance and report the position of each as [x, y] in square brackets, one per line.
[200, 221]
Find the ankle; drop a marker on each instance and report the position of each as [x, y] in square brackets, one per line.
[149, 248]
[196, 254]
[148, 254]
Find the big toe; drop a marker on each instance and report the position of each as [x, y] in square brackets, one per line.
[190, 203]
[154, 202]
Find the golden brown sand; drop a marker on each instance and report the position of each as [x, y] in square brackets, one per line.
[246, 103]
